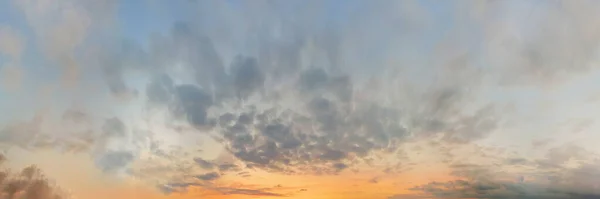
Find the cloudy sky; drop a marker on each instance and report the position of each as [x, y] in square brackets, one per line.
[337, 99]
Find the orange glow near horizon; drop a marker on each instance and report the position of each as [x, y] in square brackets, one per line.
[83, 180]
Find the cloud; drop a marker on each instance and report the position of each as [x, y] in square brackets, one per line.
[295, 94]
[76, 132]
[182, 187]
[61, 28]
[228, 167]
[12, 77]
[193, 104]
[160, 89]
[209, 176]
[12, 44]
[115, 62]
[533, 179]
[250, 192]
[248, 77]
[112, 161]
[495, 189]
[521, 35]
[204, 164]
[23, 133]
[114, 127]
[282, 140]
[342, 120]
[283, 108]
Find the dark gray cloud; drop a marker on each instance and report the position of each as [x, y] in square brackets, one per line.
[75, 116]
[197, 57]
[281, 140]
[228, 167]
[185, 101]
[247, 76]
[193, 103]
[313, 79]
[517, 161]
[160, 89]
[107, 157]
[209, 176]
[340, 166]
[203, 163]
[501, 190]
[115, 81]
[199, 52]
[182, 187]
[546, 177]
[114, 127]
[113, 58]
[244, 174]
[112, 161]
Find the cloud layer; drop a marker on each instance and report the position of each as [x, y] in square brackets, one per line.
[310, 88]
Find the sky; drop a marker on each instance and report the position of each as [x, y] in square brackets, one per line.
[333, 99]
